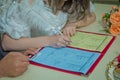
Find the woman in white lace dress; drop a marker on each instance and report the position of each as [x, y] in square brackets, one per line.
[20, 20]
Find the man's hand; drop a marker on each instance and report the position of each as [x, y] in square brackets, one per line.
[13, 64]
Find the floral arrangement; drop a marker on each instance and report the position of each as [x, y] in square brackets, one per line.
[111, 20]
[118, 58]
[113, 69]
[116, 71]
[118, 64]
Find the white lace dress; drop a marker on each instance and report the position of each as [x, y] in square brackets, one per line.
[26, 20]
[21, 19]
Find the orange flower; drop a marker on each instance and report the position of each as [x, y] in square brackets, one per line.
[115, 29]
[103, 15]
[114, 7]
[115, 18]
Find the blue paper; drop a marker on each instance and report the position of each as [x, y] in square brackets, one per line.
[66, 58]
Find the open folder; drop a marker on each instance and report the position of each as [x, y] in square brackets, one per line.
[81, 57]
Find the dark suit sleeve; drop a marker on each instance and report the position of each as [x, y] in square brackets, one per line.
[2, 52]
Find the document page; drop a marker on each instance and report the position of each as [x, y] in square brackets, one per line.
[90, 41]
[66, 58]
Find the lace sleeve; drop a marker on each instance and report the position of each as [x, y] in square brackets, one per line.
[10, 20]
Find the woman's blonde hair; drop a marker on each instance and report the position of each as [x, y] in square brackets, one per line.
[75, 8]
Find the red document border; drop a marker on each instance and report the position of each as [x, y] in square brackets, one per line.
[93, 66]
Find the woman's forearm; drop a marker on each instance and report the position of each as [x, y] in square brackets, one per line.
[90, 18]
[9, 43]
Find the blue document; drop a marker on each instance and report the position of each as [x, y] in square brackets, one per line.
[66, 58]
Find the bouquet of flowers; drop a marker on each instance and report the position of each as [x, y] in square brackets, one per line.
[111, 20]
[113, 69]
[116, 71]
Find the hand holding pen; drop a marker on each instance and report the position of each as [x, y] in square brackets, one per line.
[58, 41]
[67, 41]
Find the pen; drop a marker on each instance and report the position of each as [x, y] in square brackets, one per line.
[60, 32]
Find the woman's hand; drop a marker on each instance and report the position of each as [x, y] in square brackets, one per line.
[31, 51]
[59, 41]
[69, 30]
